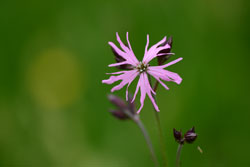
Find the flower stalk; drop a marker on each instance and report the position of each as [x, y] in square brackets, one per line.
[161, 138]
[178, 155]
[189, 137]
[141, 126]
[158, 123]
[126, 111]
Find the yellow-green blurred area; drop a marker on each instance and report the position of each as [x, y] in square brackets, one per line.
[53, 106]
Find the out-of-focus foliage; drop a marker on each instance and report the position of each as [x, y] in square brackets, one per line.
[54, 54]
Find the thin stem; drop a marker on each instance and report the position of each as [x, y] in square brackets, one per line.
[163, 151]
[139, 123]
[178, 155]
[156, 85]
[161, 138]
[146, 136]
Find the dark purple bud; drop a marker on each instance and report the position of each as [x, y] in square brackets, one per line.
[118, 59]
[119, 114]
[190, 135]
[192, 130]
[125, 110]
[178, 136]
[165, 53]
[170, 41]
[118, 102]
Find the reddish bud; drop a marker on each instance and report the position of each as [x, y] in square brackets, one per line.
[122, 107]
[190, 136]
[165, 53]
[119, 114]
[118, 102]
[178, 136]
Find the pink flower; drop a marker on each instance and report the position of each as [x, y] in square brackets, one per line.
[141, 69]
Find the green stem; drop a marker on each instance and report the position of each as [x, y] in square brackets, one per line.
[163, 151]
[158, 122]
[139, 123]
[178, 155]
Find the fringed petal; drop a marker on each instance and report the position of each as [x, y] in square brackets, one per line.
[127, 77]
[154, 50]
[127, 54]
[118, 64]
[172, 62]
[159, 73]
[146, 89]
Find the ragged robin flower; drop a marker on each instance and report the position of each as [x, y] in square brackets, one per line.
[125, 58]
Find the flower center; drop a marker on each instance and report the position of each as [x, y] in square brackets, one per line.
[142, 67]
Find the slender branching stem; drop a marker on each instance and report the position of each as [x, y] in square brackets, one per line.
[139, 123]
[178, 155]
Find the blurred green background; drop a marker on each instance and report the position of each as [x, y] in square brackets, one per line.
[53, 106]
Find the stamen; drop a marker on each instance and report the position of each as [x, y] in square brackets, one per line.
[142, 67]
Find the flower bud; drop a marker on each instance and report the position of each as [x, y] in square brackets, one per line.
[190, 136]
[178, 136]
[125, 110]
[165, 53]
[170, 41]
[119, 114]
[118, 102]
